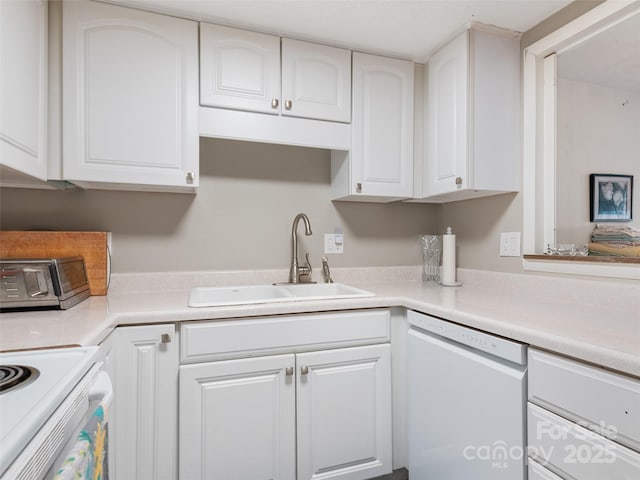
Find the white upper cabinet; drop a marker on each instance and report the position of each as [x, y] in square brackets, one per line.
[380, 165]
[304, 88]
[239, 69]
[472, 118]
[316, 81]
[130, 98]
[242, 70]
[23, 92]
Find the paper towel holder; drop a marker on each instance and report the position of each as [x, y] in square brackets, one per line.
[448, 276]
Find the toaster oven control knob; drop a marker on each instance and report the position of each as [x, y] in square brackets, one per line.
[35, 282]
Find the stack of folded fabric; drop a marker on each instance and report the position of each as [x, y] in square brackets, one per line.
[615, 240]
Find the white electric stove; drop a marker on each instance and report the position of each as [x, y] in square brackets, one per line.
[33, 414]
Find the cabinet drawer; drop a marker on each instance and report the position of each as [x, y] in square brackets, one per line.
[588, 395]
[538, 472]
[216, 340]
[575, 451]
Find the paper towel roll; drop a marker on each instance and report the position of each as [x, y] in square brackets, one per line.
[449, 258]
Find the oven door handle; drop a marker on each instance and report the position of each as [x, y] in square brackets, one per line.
[88, 455]
[101, 390]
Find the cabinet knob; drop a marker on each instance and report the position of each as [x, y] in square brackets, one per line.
[190, 177]
[304, 370]
[275, 103]
[358, 187]
[458, 180]
[165, 338]
[288, 371]
[288, 104]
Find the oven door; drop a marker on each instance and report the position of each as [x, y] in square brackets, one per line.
[77, 429]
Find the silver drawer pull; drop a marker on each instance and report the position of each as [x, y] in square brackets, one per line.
[165, 338]
[288, 371]
[288, 104]
[275, 103]
[304, 370]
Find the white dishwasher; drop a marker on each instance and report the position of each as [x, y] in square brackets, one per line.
[466, 403]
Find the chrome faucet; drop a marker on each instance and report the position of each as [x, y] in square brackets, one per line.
[299, 274]
[326, 273]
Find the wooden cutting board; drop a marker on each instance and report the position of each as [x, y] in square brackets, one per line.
[90, 245]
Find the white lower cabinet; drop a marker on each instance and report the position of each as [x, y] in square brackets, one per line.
[344, 413]
[538, 472]
[574, 430]
[299, 415]
[237, 419]
[145, 405]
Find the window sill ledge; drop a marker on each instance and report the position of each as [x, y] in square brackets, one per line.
[581, 258]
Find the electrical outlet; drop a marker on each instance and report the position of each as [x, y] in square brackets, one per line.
[510, 244]
[333, 243]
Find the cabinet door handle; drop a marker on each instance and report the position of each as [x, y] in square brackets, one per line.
[288, 104]
[304, 370]
[190, 177]
[458, 180]
[358, 187]
[275, 103]
[165, 338]
[288, 371]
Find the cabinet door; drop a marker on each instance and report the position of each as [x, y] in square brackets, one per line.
[23, 95]
[344, 413]
[237, 419]
[239, 69]
[145, 408]
[447, 119]
[130, 86]
[382, 150]
[316, 81]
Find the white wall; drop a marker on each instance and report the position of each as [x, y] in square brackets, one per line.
[240, 219]
[598, 132]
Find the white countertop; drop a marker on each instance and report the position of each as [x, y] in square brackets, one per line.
[594, 321]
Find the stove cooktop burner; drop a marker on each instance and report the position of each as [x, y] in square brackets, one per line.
[14, 376]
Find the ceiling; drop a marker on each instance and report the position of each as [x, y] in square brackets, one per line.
[610, 59]
[410, 29]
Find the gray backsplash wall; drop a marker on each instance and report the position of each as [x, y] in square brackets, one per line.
[240, 219]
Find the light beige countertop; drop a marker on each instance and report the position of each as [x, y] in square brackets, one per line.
[591, 320]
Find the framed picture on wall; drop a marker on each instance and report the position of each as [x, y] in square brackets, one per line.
[611, 197]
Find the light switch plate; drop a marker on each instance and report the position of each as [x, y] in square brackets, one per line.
[333, 243]
[510, 244]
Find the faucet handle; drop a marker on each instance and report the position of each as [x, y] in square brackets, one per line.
[326, 273]
[304, 271]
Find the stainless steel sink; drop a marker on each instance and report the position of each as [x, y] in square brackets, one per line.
[252, 294]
